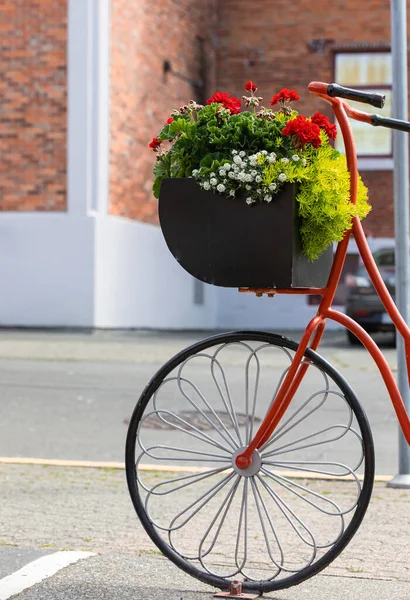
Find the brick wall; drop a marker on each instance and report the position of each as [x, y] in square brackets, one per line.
[274, 43]
[380, 221]
[268, 42]
[33, 105]
[143, 35]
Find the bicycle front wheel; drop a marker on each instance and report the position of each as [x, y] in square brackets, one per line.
[278, 522]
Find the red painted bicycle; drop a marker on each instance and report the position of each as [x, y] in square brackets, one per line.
[231, 443]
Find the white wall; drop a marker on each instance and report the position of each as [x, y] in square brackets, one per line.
[88, 269]
[237, 310]
[83, 267]
[139, 284]
[104, 271]
[46, 270]
[59, 270]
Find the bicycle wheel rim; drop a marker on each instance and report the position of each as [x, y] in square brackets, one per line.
[334, 551]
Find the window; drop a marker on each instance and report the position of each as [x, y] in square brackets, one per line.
[370, 71]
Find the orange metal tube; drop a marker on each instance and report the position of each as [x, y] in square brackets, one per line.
[316, 326]
[295, 291]
[351, 159]
[382, 364]
[319, 89]
[357, 115]
[282, 400]
[382, 290]
[318, 335]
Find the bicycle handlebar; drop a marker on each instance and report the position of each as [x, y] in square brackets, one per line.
[337, 91]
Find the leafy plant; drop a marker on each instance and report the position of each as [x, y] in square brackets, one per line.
[255, 152]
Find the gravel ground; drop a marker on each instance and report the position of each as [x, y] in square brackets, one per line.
[89, 509]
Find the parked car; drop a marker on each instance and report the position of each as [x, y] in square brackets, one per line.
[362, 302]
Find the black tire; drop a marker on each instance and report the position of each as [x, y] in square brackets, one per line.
[352, 339]
[339, 395]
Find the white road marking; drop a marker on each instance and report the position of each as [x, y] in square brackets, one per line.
[37, 571]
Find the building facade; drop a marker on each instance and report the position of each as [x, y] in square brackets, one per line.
[86, 84]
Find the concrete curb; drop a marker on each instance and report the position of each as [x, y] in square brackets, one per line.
[90, 464]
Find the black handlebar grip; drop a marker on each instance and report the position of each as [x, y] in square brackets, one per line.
[337, 91]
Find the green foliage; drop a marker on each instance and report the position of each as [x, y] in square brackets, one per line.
[248, 153]
[324, 203]
[211, 138]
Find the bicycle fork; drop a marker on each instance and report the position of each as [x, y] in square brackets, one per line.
[285, 393]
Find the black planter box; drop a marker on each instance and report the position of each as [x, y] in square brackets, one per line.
[226, 242]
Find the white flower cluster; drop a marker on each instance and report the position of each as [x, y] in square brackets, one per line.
[244, 173]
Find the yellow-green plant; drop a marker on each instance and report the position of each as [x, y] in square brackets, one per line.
[323, 196]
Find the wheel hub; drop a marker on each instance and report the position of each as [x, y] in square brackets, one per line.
[253, 469]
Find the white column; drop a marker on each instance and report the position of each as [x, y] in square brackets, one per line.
[101, 134]
[88, 106]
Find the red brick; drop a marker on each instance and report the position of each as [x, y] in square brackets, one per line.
[33, 82]
[275, 36]
[267, 42]
[144, 34]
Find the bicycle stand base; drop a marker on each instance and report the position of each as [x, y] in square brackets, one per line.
[235, 591]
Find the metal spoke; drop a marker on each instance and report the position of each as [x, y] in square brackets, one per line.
[229, 439]
[261, 523]
[228, 407]
[243, 517]
[188, 480]
[212, 493]
[206, 497]
[290, 465]
[290, 447]
[228, 404]
[200, 435]
[279, 432]
[249, 429]
[258, 496]
[195, 406]
[360, 460]
[284, 430]
[202, 472]
[214, 457]
[226, 504]
[231, 410]
[283, 481]
[282, 505]
[288, 483]
[201, 502]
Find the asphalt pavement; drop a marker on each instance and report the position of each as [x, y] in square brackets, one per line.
[69, 395]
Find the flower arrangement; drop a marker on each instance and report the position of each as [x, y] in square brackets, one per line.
[255, 152]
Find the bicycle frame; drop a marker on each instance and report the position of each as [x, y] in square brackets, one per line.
[314, 330]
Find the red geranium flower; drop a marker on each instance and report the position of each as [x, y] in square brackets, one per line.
[325, 124]
[250, 86]
[284, 95]
[155, 144]
[170, 120]
[304, 131]
[227, 101]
